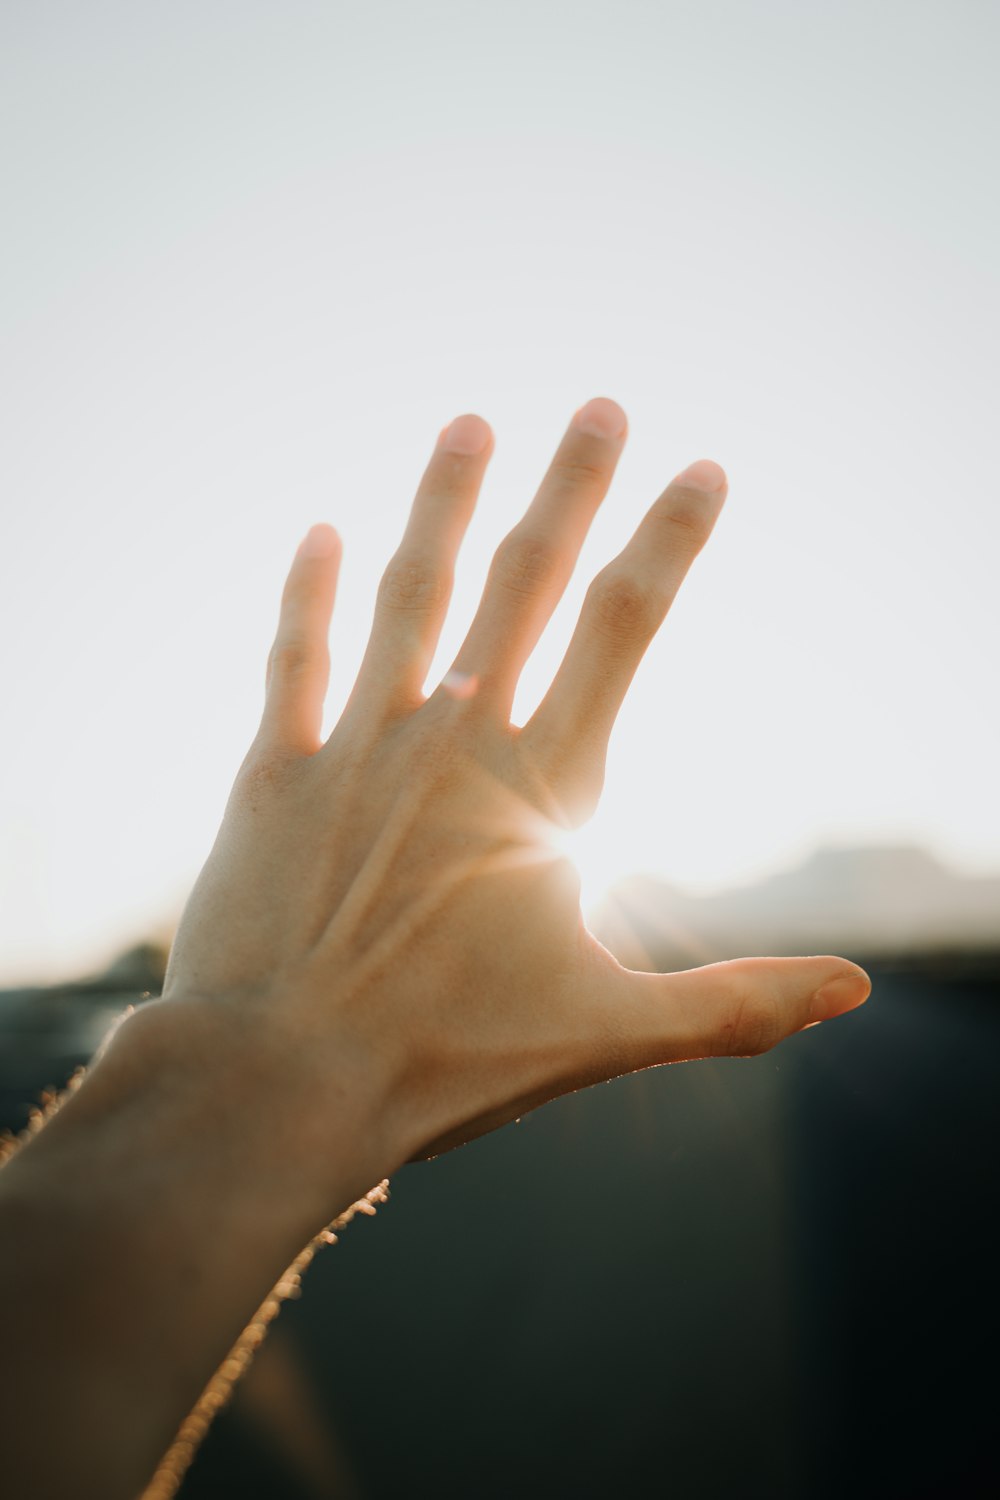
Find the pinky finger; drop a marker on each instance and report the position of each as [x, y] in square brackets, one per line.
[298, 668]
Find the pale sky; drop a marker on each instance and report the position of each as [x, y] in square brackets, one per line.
[255, 256]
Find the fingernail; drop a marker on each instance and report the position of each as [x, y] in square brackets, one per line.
[703, 475]
[468, 435]
[839, 995]
[319, 541]
[601, 418]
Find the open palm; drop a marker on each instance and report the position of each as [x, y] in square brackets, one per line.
[401, 884]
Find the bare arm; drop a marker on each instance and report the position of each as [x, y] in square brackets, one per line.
[383, 957]
[142, 1229]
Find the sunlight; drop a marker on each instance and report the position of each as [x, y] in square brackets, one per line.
[599, 856]
[601, 851]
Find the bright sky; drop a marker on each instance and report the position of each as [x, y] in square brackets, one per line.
[255, 256]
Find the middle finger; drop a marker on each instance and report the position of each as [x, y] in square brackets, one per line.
[534, 562]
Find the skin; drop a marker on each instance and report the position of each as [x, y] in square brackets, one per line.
[383, 957]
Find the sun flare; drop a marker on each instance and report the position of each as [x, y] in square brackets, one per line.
[600, 857]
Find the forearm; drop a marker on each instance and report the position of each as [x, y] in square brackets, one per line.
[143, 1227]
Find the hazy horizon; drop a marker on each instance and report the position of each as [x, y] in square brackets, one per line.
[256, 257]
[825, 898]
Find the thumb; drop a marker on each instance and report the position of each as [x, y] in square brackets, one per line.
[735, 1009]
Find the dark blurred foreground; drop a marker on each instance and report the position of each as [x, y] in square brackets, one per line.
[758, 1277]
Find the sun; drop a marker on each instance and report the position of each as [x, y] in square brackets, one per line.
[600, 855]
[603, 851]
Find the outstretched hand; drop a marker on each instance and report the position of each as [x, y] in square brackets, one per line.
[394, 900]
[383, 957]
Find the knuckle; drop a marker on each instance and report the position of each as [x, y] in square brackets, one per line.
[685, 518]
[754, 1026]
[577, 471]
[525, 564]
[291, 657]
[622, 607]
[265, 771]
[412, 583]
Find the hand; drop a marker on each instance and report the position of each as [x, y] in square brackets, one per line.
[383, 957]
[393, 902]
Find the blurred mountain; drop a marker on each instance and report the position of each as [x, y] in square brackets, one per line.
[870, 901]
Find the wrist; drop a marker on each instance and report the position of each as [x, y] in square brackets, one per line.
[214, 1102]
[300, 1122]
